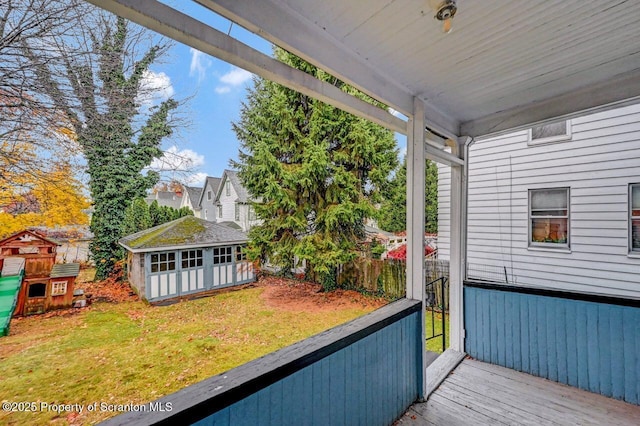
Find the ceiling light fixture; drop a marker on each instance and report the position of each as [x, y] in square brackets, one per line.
[445, 11]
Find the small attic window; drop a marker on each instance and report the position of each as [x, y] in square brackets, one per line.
[548, 133]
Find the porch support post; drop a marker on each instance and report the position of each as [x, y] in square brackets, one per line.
[458, 240]
[415, 221]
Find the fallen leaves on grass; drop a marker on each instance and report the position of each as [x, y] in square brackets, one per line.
[295, 295]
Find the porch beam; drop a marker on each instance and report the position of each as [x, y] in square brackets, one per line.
[278, 23]
[440, 156]
[595, 98]
[415, 218]
[457, 251]
[183, 28]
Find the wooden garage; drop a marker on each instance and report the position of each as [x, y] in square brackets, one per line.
[185, 257]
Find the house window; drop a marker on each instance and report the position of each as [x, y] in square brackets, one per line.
[228, 188]
[58, 288]
[634, 217]
[240, 254]
[162, 262]
[37, 290]
[191, 259]
[549, 217]
[205, 213]
[547, 133]
[237, 211]
[252, 213]
[221, 255]
[208, 195]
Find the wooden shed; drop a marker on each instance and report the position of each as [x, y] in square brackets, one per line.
[184, 257]
[46, 285]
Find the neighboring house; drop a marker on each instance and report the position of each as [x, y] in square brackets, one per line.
[191, 199]
[207, 201]
[555, 206]
[233, 203]
[166, 198]
[185, 256]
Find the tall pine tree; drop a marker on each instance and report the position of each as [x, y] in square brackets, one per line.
[317, 172]
[393, 212]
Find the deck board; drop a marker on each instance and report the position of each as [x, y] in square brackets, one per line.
[484, 394]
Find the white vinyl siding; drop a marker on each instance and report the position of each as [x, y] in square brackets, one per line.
[598, 164]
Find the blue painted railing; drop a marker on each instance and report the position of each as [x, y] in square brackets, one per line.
[593, 344]
[368, 371]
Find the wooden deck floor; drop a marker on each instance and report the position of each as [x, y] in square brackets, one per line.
[476, 393]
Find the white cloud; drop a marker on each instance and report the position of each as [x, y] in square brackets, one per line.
[199, 64]
[177, 160]
[154, 87]
[236, 77]
[196, 179]
[233, 78]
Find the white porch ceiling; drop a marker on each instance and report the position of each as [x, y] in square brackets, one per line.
[507, 64]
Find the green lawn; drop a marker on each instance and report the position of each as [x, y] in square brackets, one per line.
[133, 353]
[435, 345]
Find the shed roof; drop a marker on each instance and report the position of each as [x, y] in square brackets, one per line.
[188, 231]
[65, 270]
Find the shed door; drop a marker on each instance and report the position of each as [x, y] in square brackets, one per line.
[192, 271]
[222, 266]
[163, 280]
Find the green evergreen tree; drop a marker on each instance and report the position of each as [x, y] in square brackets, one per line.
[136, 217]
[317, 172]
[393, 211]
[155, 213]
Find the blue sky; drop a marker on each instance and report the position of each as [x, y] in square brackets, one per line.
[216, 90]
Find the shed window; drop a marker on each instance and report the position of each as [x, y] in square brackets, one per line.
[240, 254]
[634, 217]
[162, 262]
[37, 290]
[221, 255]
[237, 211]
[546, 133]
[58, 288]
[549, 217]
[191, 259]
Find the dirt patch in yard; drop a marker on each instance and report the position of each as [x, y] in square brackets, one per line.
[300, 296]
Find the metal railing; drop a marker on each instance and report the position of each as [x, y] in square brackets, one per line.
[435, 301]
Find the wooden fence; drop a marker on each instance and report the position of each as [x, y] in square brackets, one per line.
[388, 277]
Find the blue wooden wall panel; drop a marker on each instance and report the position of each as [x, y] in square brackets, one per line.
[370, 382]
[594, 346]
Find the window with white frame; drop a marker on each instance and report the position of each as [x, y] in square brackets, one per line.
[549, 217]
[208, 195]
[547, 133]
[221, 255]
[162, 262]
[220, 210]
[634, 217]
[252, 213]
[58, 288]
[237, 211]
[191, 259]
[228, 188]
